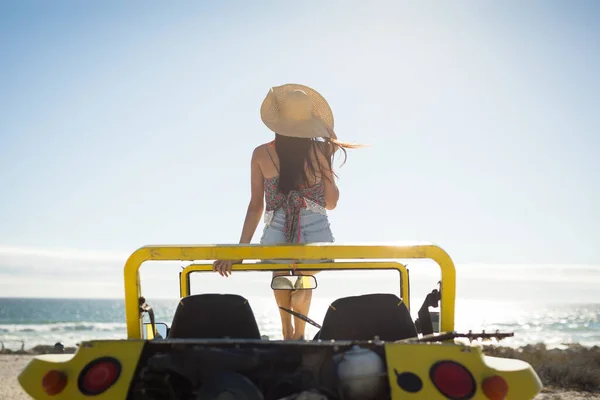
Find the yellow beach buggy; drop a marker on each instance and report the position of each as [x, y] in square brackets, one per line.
[367, 347]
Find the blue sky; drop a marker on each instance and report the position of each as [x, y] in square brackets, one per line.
[124, 124]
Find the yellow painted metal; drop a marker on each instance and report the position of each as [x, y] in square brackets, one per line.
[401, 356]
[523, 382]
[149, 332]
[184, 287]
[311, 251]
[128, 353]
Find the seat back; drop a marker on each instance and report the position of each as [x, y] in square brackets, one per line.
[214, 316]
[366, 316]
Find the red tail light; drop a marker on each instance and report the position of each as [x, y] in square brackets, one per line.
[54, 382]
[453, 380]
[495, 388]
[99, 375]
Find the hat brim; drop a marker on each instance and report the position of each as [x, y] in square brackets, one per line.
[310, 128]
[317, 126]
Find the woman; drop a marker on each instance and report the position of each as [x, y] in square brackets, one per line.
[294, 173]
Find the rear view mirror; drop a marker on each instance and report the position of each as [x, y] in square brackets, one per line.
[295, 282]
[160, 333]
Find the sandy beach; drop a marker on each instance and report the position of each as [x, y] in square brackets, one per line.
[11, 365]
[557, 394]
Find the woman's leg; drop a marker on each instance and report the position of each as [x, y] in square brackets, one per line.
[300, 303]
[283, 299]
[301, 300]
[315, 229]
[272, 235]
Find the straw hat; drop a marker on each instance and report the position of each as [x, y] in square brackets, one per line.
[296, 111]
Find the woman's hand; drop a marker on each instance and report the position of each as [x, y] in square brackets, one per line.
[223, 267]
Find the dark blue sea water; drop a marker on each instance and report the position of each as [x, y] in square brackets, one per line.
[47, 321]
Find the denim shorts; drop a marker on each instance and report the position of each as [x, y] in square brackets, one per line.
[314, 228]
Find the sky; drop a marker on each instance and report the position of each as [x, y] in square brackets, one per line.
[126, 124]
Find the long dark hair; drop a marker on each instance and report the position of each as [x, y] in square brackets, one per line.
[296, 165]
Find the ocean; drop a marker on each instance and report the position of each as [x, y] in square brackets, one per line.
[30, 322]
[552, 304]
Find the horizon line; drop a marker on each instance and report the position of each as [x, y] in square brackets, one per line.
[119, 256]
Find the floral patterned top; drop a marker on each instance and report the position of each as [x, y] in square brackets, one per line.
[312, 198]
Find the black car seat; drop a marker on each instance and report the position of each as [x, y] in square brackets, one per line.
[214, 316]
[367, 316]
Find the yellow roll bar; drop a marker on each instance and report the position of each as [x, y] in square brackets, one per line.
[184, 285]
[310, 251]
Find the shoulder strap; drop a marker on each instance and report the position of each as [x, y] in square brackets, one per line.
[271, 157]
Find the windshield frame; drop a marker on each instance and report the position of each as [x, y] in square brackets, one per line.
[305, 251]
[404, 289]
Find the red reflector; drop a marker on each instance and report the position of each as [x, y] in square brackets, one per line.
[453, 380]
[99, 375]
[495, 388]
[54, 382]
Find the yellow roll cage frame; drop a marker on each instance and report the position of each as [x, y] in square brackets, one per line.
[184, 281]
[310, 251]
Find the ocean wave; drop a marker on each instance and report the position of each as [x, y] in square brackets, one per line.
[62, 327]
[550, 324]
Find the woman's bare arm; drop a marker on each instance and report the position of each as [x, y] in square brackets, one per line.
[253, 214]
[257, 200]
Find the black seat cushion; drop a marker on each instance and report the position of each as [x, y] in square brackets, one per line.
[214, 316]
[366, 316]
